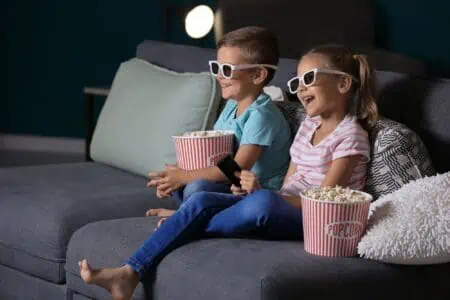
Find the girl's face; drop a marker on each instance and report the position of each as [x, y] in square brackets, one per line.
[324, 96]
[242, 81]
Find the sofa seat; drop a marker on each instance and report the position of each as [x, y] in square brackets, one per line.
[41, 207]
[226, 269]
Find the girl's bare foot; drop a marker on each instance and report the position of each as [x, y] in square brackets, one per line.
[120, 282]
[160, 212]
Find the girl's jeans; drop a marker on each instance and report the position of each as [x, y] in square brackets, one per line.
[264, 214]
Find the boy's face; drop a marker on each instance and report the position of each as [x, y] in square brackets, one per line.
[242, 82]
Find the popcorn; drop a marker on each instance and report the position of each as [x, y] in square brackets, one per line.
[208, 133]
[337, 194]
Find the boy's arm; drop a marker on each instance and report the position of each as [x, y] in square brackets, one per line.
[173, 178]
[246, 157]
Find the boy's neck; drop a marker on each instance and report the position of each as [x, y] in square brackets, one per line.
[244, 102]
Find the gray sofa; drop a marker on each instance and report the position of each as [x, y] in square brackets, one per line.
[52, 216]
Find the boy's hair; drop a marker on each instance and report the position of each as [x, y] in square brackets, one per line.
[343, 59]
[258, 46]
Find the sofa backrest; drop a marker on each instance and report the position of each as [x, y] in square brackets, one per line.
[423, 104]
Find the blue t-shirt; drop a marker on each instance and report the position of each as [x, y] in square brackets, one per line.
[262, 123]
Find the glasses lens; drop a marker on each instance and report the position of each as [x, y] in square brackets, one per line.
[309, 78]
[227, 71]
[215, 68]
[293, 85]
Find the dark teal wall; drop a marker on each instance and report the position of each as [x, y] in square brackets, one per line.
[4, 72]
[54, 48]
[419, 28]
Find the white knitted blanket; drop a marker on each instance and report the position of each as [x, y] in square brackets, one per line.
[411, 225]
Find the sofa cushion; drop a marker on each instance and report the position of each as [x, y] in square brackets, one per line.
[227, 269]
[294, 113]
[42, 206]
[146, 106]
[398, 156]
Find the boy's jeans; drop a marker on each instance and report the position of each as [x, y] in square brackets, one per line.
[201, 185]
[263, 214]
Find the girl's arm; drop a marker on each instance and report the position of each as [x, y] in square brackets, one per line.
[340, 171]
[292, 169]
[339, 174]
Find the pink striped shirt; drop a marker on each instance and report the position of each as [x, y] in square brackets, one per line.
[313, 162]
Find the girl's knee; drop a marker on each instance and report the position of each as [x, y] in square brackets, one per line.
[259, 204]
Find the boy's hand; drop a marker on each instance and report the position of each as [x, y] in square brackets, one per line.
[249, 182]
[168, 180]
[237, 191]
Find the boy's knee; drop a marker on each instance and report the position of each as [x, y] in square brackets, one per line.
[196, 186]
[197, 199]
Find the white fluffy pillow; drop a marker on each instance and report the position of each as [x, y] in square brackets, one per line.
[411, 226]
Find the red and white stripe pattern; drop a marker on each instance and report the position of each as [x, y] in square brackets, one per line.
[334, 229]
[202, 152]
[314, 161]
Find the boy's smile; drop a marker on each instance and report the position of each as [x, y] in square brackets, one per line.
[240, 85]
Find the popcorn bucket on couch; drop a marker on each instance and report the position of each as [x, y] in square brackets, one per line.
[203, 149]
[334, 228]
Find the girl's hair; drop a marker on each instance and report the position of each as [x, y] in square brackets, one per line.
[343, 59]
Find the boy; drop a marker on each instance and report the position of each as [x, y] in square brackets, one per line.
[246, 62]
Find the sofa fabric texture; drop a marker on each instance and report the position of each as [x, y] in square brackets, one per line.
[227, 269]
[37, 218]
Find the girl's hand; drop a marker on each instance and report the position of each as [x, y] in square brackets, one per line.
[237, 191]
[249, 182]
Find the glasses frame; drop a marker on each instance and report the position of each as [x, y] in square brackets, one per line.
[236, 67]
[301, 78]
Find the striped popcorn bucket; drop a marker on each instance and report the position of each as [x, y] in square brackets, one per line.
[197, 152]
[334, 228]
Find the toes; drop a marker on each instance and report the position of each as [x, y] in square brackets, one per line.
[85, 265]
[153, 212]
[160, 222]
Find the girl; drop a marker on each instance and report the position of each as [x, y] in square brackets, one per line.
[331, 148]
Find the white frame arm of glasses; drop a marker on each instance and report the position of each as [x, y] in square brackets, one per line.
[250, 66]
[328, 71]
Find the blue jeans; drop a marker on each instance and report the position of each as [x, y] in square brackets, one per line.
[263, 214]
[200, 185]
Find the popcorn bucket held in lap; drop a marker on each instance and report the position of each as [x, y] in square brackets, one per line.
[334, 220]
[202, 149]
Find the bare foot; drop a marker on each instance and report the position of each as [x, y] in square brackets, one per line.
[160, 212]
[120, 282]
[160, 222]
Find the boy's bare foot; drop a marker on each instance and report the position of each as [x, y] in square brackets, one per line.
[160, 212]
[120, 282]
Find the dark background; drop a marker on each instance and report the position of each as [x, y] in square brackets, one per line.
[55, 48]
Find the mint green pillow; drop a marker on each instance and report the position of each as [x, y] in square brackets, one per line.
[146, 106]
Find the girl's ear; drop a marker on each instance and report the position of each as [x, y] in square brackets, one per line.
[345, 84]
[260, 76]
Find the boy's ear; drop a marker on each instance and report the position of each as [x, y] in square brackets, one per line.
[345, 84]
[260, 76]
